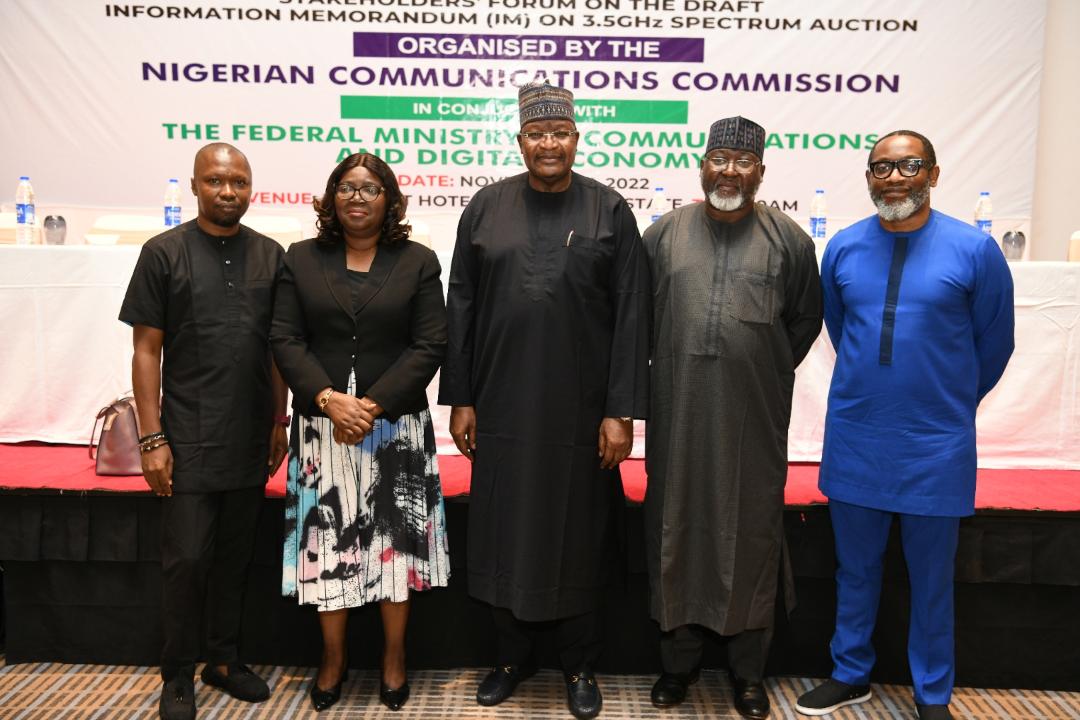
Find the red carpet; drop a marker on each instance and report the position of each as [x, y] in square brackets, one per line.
[67, 468]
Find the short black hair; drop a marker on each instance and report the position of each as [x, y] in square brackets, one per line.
[931, 156]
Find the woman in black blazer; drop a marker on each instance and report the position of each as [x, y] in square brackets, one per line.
[359, 330]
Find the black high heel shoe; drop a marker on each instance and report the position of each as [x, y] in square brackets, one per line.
[391, 698]
[323, 699]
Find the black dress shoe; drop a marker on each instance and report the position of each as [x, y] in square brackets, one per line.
[751, 700]
[322, 699]
[501, 682]
[391, 698]
[583, 695]
[241, 682]
[670, 689]
[177, 699]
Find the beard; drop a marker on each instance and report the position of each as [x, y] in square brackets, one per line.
[731, 203]
[229, 220]
[726, 204]
[902, 210]
[224, 217]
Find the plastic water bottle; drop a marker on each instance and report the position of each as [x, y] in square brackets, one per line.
[984, 213]
[659, 203]
[818, 211]
[172, 203]
[24, 211]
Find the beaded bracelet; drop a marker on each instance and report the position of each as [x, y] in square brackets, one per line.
[145, 448]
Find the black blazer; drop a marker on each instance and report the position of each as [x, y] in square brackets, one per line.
[395, 343]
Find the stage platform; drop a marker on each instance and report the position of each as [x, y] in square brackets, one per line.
[82, 580]
[67, 468]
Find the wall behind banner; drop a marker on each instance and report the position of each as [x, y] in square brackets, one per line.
[103, 101]
[1056, 212]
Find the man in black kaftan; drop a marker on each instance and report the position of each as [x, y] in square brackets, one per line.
[546, 367]
[211, 406]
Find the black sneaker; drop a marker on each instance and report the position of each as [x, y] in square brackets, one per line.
[177, 699]
[933, 712]
[241, 683]
[831, 695]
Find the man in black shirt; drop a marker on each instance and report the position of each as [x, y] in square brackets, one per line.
[202, 294]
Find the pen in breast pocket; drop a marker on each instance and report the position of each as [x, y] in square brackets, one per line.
[568, 238]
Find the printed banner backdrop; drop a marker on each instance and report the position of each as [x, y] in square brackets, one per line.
[104, 101]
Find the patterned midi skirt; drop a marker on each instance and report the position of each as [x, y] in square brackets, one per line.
[364, 522]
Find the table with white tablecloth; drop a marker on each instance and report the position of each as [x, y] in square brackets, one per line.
[65, 355]
[134, 229]
[1031, 419]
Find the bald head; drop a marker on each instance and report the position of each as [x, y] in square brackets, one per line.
[219, 148]
[221, 180]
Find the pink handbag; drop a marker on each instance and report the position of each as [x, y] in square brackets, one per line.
[118, 444]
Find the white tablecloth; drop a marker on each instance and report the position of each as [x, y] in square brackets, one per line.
[64, 355]
[137, 229]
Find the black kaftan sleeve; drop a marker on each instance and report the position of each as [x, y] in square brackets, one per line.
[415, 367]
[147, 296]
[288, 338]
[802, 313]
[455, 383]
[628, 375]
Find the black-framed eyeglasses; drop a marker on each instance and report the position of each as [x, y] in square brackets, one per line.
[559, 135]
[743, 166]
[908, 167]
[368, 193]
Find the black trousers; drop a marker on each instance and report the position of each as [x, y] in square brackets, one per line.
[681, 650]
[207, 540]
[579, 639]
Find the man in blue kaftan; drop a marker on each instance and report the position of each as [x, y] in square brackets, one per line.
[919, 307]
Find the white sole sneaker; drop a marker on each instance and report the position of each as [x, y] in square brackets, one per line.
[817, 712]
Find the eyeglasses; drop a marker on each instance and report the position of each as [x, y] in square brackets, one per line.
[367, 193]
[743, 166]
[908, 167]
[559, 135]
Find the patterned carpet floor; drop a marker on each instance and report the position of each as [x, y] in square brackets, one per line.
[49, 691]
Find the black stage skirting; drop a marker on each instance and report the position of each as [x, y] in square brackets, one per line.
[82, 585]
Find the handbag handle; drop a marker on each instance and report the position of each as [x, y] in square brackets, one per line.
[90, 447]
[127, 401]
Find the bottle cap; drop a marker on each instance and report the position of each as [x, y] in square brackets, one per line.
[984, 192]
[173, 180]
[23, 177]
[819, 190]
